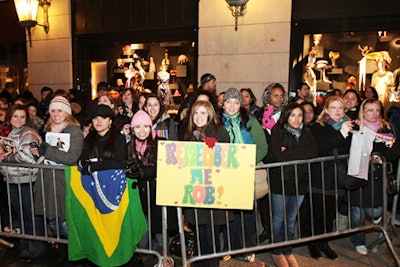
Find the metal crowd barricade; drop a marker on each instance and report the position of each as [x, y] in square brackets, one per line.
[265, 247]
[9, 226]
[393, 221]
[162, 255]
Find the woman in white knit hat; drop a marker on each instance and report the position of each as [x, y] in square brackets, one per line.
[62, 122]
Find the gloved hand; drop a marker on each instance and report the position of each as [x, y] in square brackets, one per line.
[345, 128]
[84, 167]
[43, 148]
[267, 121]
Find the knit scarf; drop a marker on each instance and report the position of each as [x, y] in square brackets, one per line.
[374, 126]
[237, 134]
[294, 131]
[335, 124]
[140, 148]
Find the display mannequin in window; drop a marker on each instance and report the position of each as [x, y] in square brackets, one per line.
[383, 79]
[130, 75]
[141, 75]
[309, 76]
[163, 91]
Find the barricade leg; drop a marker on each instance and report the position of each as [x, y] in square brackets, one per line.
[393, 221]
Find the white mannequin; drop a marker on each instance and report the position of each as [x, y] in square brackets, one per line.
[309, 76]
[383, 80]
[130, 75]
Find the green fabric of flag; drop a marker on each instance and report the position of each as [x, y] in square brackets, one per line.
[105, 238]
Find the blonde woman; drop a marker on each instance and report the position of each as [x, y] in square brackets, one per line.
[53, 195]
[331, 132]
[385, 144]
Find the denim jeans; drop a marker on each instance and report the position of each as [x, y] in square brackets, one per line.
[236, 231]
[279, 203]
[24, 219]
[61, 230]
[24, 213]
[358, 219]
[144, 243]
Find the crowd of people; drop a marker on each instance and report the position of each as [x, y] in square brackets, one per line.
[123, 133]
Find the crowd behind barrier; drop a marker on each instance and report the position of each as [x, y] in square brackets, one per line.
[189, 243]
[308, 202]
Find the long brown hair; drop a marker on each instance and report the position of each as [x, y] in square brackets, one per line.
[150, 154]
[212, 118]
[12, 109]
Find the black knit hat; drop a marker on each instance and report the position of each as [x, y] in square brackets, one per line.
[103, 111]
[205, 78]
[102, 86]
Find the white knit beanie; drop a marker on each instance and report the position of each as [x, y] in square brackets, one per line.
[60, 103]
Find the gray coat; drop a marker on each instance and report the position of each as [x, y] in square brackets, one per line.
[45, 182]
[22, 137]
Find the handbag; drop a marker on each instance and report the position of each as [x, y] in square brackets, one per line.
[392, 185]
[261, 187]
[344, 180]
[174, 247]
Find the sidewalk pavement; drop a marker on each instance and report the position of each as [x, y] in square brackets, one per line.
[341, 245]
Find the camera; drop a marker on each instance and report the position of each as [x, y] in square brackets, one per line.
[355, 126]
[33, 144]
[124, 111]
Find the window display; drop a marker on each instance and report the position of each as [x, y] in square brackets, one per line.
[354, 60]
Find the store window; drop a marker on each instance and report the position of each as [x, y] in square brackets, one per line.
[330, 61]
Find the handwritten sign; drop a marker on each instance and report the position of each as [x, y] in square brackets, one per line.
[191, 174]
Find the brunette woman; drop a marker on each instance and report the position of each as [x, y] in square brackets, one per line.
[128, 107]
[163, 125]
[21, 181]
[142, 165]
[249, 102]
[104, 156]
[242, 129]
[274, 99]
[290, 140]
[203, 123]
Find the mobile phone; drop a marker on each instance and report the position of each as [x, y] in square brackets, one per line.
[355, 126]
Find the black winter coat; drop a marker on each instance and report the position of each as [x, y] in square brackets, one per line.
[328, 139]
[295, 149]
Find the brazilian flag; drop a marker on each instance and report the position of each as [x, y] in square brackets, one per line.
[104, 216]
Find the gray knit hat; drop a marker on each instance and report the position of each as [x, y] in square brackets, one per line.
[233, 93]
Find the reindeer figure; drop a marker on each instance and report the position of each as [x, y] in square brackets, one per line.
[363, 66]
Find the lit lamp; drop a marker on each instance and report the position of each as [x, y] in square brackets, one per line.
[27, 11]
[238, 8]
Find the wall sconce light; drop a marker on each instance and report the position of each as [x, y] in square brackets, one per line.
[238, 8]
[27, 11]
